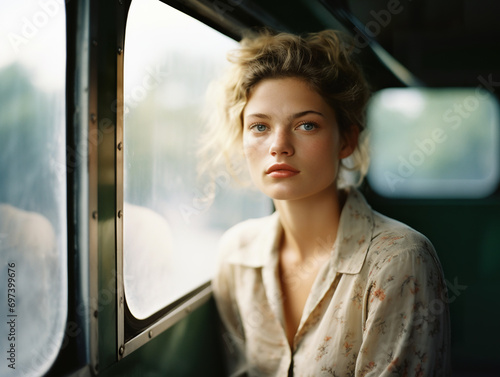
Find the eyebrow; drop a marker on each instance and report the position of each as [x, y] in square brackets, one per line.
[291, 117]
[302, 113]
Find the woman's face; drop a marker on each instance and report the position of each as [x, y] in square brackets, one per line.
[291, 140]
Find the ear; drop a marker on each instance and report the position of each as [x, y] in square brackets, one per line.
[349, 141]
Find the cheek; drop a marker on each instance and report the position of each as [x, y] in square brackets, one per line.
[255, 155]
[250, 147]
[324, 155]
[250, 155]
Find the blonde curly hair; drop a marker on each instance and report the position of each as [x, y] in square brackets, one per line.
[324, 60]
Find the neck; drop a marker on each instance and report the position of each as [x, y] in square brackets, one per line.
[310, 225]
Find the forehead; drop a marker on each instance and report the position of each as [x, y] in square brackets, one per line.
[285, 95]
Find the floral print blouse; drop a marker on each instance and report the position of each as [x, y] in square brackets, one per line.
[378, 307]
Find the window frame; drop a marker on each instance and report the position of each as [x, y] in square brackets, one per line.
[215, 17]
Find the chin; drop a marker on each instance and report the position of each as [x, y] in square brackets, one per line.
[292, 193]
[278, 194]
[286, 194]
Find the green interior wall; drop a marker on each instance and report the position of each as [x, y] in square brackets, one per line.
[189, 348]
[466, 235]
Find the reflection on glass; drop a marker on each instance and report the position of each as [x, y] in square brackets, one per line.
[434, 142]
[33, 246]
[170, 231]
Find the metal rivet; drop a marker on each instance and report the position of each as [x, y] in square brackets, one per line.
[150, 334]
[120, 213]
[121, 350]
[120, 146]
[120, 50]
[93, 118]
[94, 215]
[95, 313]
[121, 300]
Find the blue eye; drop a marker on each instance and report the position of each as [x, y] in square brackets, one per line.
[308, 126]
[259, 127]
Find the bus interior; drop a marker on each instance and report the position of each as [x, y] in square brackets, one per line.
[108, 237]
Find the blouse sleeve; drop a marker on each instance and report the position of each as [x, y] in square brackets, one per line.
[232, 332]
[406, 324]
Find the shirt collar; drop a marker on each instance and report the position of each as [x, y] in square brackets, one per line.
[350, 249]
[354, 234]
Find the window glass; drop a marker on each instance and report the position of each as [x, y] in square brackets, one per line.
[33, 247]
[170, 233]
[434, 143]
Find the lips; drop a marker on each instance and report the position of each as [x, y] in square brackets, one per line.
[281, 171]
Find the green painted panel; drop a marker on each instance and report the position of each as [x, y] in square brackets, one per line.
[466, 235]
[189, 348]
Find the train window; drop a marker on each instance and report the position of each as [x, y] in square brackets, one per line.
[434, 143]
[33, 242]
[170, 232]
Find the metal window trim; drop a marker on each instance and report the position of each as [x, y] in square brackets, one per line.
[119, 147]
[167, 321]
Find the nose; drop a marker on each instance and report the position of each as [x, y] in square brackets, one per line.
[281, 144]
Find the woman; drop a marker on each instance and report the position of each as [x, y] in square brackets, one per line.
[325, 286]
